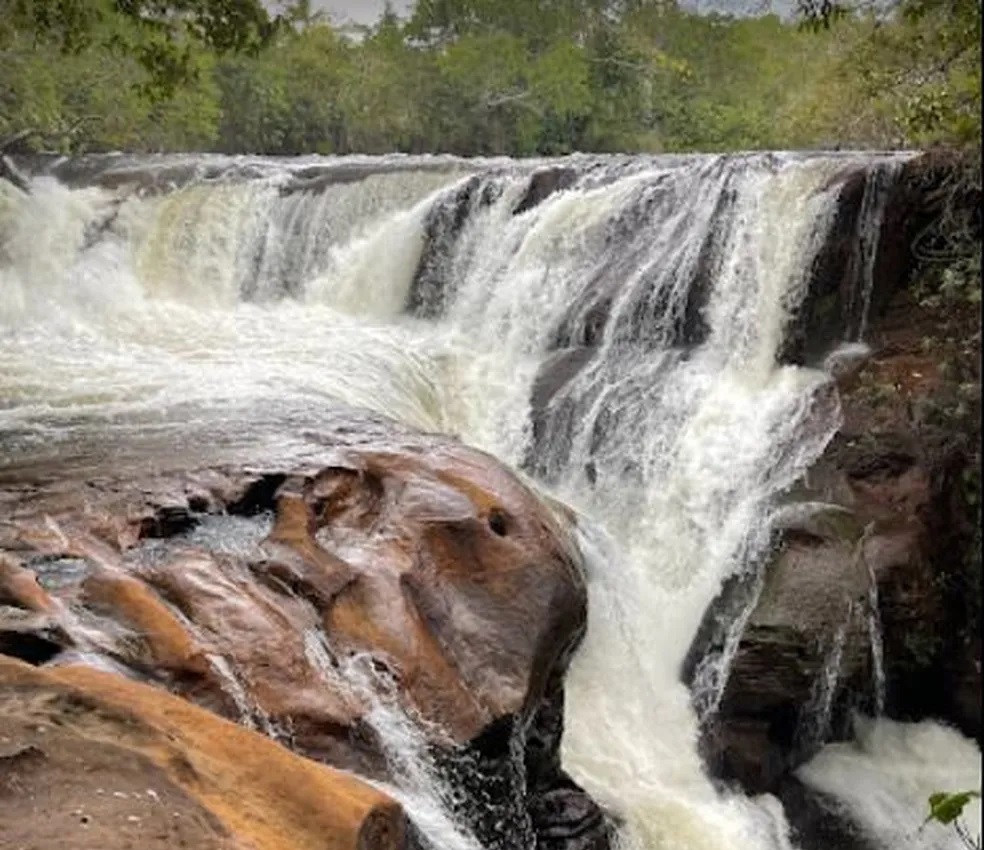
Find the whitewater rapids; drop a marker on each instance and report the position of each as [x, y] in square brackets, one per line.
[161, 311]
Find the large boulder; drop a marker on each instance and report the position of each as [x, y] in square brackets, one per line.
[93, 760]
[804, 642]
[423, 578]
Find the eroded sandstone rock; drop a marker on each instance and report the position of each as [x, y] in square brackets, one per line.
[94, 760]
[424, 578]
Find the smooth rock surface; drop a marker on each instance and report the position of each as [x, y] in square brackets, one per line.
[297, 601]
[90, 759]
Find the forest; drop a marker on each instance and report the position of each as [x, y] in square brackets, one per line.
[485, 77]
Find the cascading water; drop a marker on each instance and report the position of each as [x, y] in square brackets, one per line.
[883, 778]
[818, 712]
[874, 624]
[616, 332]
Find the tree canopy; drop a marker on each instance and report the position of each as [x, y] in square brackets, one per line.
[486, 77]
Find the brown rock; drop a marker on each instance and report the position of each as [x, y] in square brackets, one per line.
[442, 565]
[212, 783]
[424, 573]
[19, 586]
[133, 604]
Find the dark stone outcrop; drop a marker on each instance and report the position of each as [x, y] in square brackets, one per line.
[543, 184]
[892, 550]
[433, 287]
[882, 556]
[647, 322]
[819, 823]
[551, 413]
[810, 621]
[10, 173]
[912, 195]
[563, 816]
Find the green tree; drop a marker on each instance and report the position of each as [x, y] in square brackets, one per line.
[168, 30]
[487, 77]
[388, 91]
[919, 66]
[92, 98]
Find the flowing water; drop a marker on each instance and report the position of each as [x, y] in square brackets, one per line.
[884, 777]
[158, 312]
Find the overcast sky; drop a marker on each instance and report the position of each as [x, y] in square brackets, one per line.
[367, 11]
[354, 11]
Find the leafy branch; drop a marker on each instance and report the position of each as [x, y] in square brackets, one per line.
[946, 809]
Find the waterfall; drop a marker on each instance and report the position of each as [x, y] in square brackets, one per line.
[870, 222]
[884, 777]
[416, 782]
[817, 714]
[874, 626]
[612, 326]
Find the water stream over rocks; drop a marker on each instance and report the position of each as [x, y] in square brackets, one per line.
[629, 333]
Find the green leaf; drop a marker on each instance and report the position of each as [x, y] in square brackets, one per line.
[946, 808]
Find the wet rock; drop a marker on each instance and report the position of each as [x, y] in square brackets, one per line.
[831, 311]
[818, 822]
[563, 815]
[180, 776]
[804, 645]
[423, 576]
[148, 175]
[630, 310]
[653, 318]
[843, 295]
[837, 595]
[552, 412]
[543, 184]
[12, 175]
[19, 587]
[433, 285]
[876, 560]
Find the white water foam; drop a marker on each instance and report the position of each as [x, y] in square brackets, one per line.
[884, 778]
[239, 314]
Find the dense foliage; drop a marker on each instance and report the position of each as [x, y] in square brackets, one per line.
[485, 77]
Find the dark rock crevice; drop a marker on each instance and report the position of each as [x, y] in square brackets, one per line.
[433, 286]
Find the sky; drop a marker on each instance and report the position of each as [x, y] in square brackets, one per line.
[356, 11]
[367, 11]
